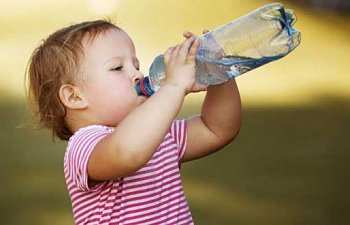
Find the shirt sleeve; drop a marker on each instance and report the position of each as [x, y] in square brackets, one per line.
[179, 131]
[80, 147]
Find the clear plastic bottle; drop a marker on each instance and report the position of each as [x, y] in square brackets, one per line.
[239, 46]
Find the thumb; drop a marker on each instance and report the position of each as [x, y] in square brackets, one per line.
[199, 87]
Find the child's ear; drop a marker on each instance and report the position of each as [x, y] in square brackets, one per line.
[72, 97]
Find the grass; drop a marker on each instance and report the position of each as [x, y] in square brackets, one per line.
[288, 166]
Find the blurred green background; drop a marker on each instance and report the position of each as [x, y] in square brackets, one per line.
[290, 163]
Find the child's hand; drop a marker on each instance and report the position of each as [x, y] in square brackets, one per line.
[196, 87]
[180, 64]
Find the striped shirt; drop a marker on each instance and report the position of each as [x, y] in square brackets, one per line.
[151, 195]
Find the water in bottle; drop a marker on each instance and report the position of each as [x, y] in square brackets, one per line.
[228, 51]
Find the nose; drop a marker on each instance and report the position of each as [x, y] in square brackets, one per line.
[137, 76]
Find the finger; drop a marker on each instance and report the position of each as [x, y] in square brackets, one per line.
[193, 51]
[168, 54]
[188, 34]
[205, 31]
[185, 46]
[176, 50]
[199, 87]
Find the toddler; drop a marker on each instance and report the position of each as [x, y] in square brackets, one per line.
[124, 151]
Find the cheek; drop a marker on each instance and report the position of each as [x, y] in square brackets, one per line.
[125, 89]
[113, 87]
[124, 95]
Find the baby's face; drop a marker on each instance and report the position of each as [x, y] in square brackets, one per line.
[110, 70]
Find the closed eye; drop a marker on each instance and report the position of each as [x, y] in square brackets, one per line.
[118, 68]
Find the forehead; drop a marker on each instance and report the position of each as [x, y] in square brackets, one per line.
[112, 40]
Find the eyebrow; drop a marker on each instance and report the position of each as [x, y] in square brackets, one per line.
[135, 60]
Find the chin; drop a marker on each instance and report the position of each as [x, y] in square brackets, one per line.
[142, 99]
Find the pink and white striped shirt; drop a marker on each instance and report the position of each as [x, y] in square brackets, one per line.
[151, 195]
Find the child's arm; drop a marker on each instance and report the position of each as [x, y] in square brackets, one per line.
[138, 136]
[218, 124]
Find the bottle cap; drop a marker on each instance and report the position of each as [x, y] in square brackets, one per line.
[143, 87]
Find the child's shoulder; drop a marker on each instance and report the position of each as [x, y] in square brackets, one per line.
[90, 132]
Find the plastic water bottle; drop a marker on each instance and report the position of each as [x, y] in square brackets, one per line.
[239, 46]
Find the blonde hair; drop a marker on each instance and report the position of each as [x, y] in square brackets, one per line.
[55, 62]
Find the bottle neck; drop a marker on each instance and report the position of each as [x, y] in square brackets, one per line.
[143, 88]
